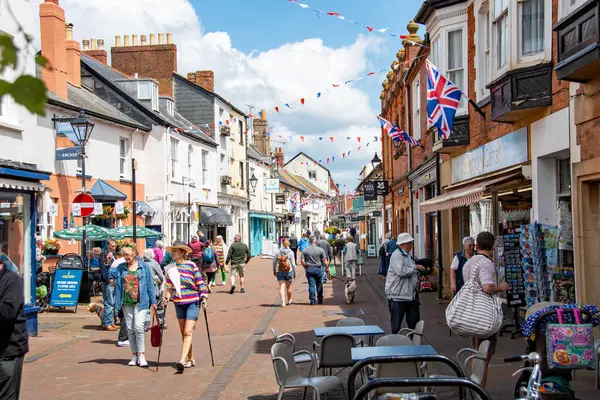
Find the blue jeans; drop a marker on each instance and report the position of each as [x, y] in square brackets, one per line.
[108, 294]
[315, 278]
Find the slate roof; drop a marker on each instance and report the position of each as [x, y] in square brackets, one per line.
[110, 76]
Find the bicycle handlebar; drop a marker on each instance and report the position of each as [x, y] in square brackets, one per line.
[514, 359]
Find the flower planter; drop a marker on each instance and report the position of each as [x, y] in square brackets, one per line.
[50, 252]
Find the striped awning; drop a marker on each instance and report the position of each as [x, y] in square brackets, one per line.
[462, 197]
[6, 183]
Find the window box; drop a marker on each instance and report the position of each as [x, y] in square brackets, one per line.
[520, 92]
[578, 37]
[226, 180]
[225, 130]
[458, 139]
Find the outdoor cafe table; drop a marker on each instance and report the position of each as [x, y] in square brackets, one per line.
[360, 330]
[360, 353]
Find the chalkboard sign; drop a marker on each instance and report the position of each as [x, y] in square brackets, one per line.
[65, 287]
[70, 261]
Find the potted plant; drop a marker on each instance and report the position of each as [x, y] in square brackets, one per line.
[126, 211]
[51, 247]
[226, 180]
[107, 212]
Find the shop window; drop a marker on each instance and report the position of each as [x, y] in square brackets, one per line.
[45, 224]
[564, 177]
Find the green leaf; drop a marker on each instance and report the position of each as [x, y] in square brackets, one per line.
[4, 87]
[31, 93]
[8, 51]
[43, 62]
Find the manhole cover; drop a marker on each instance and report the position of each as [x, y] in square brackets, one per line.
[52, 326]
[348, 312]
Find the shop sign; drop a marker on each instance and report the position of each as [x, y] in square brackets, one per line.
[65, 289]
[377, 213]
[371, 251]
[272, 185]
[501, 153]
[370, 190]
[71, 153]
[279, 199]
[381, 188]
[354, 219]
[362, 218]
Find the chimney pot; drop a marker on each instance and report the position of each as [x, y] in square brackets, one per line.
[134, 41]
[143, 40]
[69, 31]
[126, 40]
[100, 43]
[93, 43]
[169, 38]
[117, 41]
[160, 38]
[151, 39]
[86, 44]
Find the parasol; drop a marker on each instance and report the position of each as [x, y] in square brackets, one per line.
[140, 232]
[93, 232]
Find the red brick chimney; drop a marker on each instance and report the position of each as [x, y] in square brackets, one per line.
[94, 48]
[206, 79]
[73, 57]
[156, 61]
[54, 48]
[278, 154]
[261, 140]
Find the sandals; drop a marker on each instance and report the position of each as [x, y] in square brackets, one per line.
[190, 364]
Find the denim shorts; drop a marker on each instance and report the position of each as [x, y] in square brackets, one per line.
[285, 276]
[188, 312]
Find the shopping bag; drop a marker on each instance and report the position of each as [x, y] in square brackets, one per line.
[332, 272]
[155, 333]
[570, 346]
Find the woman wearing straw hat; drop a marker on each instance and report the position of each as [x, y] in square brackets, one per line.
[188, 291]
[402, 285]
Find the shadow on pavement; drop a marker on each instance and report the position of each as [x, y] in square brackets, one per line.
[124, 362]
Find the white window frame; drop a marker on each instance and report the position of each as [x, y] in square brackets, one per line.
[495, 21]
[170, 108]
[242, 177]
[190, 157]
[153, 95]
[204, 167]
[565, 7]
[124, 158]
[416, 103]
[528, 58]
[45, 225]
[174, 157]
[463, 86]
[483, 46]
[310, 172]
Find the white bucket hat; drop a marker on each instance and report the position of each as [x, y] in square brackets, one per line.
[404, 238]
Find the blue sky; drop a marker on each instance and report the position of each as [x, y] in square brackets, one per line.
[269, 52]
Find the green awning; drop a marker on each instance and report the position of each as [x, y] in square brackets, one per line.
[263, 216]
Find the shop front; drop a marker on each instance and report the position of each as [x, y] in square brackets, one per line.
[423, 184]
[262, 233]
[214, 221]
[21, 196]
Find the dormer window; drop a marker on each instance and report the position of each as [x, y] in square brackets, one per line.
[170, 108]
[148, 90]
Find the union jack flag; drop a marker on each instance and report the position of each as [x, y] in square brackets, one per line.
[293, 202]
[405, 137]
[443, 98]
[388, 127]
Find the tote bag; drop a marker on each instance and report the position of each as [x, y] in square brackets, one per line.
[473, 312]
[570, 346]
[155, 333]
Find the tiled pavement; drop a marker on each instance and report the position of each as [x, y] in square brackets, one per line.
[79, 361]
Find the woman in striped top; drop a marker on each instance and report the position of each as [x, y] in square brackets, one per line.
[188, 291]
[219, 247]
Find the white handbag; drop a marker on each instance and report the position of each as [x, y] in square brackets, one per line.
[472, 312]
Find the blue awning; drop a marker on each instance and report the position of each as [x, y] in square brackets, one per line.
[259, 215]
[102, 191]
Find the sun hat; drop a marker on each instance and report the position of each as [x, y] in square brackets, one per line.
[178, 244]
[404, 238]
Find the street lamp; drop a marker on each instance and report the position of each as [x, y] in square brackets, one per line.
[286, 193]
[83, 128]
[376, 161]
[253, 181]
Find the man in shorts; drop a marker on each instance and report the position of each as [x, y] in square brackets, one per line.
[237, 256]
[486, 276]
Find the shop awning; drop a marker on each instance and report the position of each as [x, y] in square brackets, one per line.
[6, 183]
[143, 208]
[461, 197]
[214, 216]
[260, 215]
[102, 191]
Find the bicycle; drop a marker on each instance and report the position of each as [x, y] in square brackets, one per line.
[532, 391]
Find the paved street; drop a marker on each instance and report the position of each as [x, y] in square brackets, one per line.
[77, 360]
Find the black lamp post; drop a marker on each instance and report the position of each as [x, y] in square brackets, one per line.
[253, 181]
[376, 161]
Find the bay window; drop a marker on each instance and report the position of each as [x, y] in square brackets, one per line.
[501, 32]
[455, 70]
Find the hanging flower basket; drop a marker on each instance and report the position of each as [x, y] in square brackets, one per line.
[51, 247]
[226, 180]
[107, 212]
[126, 211]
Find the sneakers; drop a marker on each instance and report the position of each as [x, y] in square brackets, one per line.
[222, 284]
[134, 361]
[142, 361]
[124, 343]
[242, 290]
[232, 290]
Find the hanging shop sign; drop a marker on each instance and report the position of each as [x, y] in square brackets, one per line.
[501, 153]
[279, 199]
[362, 218]
[371, 251]
[272, 185]
[376, 213]
[70, 153]
[381, 188]
[370, 191]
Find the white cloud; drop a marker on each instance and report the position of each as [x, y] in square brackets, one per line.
[268, 78]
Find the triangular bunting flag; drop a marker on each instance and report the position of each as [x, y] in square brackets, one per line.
[302, 138]
[277, 109]
[331, 138]
[302, 101]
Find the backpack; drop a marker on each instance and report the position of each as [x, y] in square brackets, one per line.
[283, 264]
[208, 257]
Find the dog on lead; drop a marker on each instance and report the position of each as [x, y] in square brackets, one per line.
[350, 290]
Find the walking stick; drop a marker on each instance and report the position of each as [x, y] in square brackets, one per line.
[212, 359]
[162, 328]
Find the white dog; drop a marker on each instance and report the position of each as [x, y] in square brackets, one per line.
[349, 291]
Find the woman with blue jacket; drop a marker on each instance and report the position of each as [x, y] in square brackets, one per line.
[135, 295]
